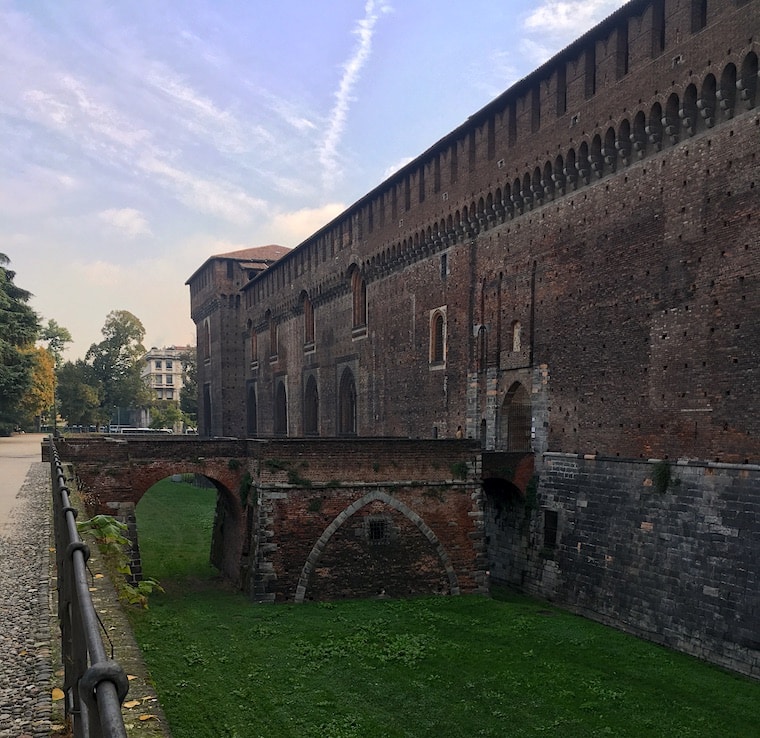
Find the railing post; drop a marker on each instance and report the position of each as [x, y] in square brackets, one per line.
[94, 685]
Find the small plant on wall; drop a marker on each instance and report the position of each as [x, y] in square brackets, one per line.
[661, 477]
[109, 534]
[459, 470]
[245, 488]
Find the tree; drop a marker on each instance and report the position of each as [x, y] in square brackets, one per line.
[188, 395]
[79, 394]
[57, 337]
[38, 399]
[115, 362]
[19, 327]
[165, 414]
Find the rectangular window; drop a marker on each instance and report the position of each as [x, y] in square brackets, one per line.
[622, 55]
[590, 71]
[169, 379]
[698, 15]
[169, 365]
[158, 365]
[561, 90]
[551, 529]
[658, 27]
[169, 394]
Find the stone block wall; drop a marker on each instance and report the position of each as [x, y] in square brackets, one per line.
[667, 551]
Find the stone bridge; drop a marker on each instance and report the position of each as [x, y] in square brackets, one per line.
[320, 519]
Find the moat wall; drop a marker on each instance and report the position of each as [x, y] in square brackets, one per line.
[667, 552]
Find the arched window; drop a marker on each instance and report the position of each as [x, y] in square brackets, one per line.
[516, 419]
[206, 340]
[438, 336]
[280, 410]
[254, 347]
[347, 404]
[482, 348]
[251, 424]
[311, 408]
[308, 322]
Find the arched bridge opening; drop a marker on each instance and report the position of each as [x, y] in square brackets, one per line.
[509, 501]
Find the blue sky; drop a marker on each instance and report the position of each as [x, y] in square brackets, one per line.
[140, 137]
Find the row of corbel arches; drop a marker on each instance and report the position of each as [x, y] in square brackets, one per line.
[665, 124]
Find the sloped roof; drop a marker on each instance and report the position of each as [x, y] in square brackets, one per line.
[256, 253]
[253, 256]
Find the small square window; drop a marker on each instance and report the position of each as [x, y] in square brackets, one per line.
[378, 529]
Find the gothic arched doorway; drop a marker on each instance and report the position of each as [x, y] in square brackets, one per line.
[347, 404]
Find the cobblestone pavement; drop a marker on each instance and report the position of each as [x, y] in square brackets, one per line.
[25, 634]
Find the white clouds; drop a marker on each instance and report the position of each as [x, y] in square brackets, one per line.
[343, 96]
[292, 228]
[569, 17]
[199, 114]
[130, 221]
[100, 274]
[217, 198]
[393, 168]
[555, 23]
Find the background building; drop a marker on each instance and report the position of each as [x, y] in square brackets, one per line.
[162, 370]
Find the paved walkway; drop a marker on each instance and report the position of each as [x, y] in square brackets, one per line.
[25, 635]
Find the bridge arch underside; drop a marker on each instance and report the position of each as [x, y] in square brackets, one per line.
[376, 547]
[116, 489]
[506, 518]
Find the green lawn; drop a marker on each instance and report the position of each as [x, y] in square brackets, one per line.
[431, 667]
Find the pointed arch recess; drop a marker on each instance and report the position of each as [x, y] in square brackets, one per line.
[344, 515]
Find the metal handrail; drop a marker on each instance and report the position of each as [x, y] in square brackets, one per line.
[94, 685]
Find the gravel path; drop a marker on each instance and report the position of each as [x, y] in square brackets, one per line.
[25, 635]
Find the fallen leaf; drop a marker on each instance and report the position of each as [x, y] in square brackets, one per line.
[131, 677]
[148, 717]
[132, 703]
[98, 576]
[58, 694]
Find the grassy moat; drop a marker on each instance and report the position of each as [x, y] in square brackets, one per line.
[434, 667]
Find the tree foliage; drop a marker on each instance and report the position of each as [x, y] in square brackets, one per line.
[38, 399]
[115, 362]
[188, 395]
[79, 394]
[57, 337]
[19, 327]
[165, 414]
